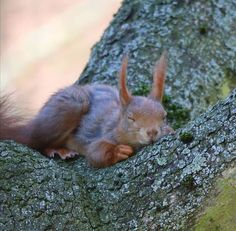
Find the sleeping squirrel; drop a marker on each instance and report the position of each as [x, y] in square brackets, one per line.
[99, 122]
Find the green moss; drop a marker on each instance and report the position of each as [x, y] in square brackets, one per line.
[142, 90]
[221, 215]
[203, 29]
[225, 89]
[177, 115]
[186, 137]
[189, 183]
[229, 82]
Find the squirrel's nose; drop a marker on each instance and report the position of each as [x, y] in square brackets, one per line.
[152, 133]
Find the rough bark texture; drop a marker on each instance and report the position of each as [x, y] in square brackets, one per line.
[199, 35]
[163, 186]
[159, 188]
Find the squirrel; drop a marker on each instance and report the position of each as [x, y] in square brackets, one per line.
[99, 122]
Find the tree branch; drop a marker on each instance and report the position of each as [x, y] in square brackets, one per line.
[164, 185]
[159, 188]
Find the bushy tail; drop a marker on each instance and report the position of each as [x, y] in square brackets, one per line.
[12, 125]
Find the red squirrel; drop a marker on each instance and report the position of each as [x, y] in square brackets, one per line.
[98, 121]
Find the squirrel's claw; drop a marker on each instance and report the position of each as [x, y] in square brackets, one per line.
[123, 152]
[63, 153]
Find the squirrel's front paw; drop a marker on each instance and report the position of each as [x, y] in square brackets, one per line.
[123, 152]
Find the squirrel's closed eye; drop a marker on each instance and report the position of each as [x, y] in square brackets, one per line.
[131, 119]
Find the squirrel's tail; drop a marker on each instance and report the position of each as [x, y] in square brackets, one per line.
[12, 125]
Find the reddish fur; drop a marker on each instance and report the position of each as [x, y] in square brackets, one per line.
[93, 120]
[58, 118]
[52, 126]
[62, 152]
[159, 76]
[105, 154]
[12, 126]
[124, 93]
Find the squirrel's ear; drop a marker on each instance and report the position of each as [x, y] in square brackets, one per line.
[159, 76]
[125, 96]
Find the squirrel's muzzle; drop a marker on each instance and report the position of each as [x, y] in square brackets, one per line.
[165, 130]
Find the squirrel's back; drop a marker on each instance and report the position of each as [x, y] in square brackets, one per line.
[103, 114]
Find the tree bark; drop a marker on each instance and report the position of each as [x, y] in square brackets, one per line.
[164, 186]
[161, 187]
[198, 35]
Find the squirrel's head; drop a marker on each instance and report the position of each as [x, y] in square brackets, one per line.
[143, 119]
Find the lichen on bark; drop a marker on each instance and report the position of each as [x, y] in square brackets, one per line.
[198, 35]
[161, 187]
[164, 186]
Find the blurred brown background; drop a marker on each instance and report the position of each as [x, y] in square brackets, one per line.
[46, 44]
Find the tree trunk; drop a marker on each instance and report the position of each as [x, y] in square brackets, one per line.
[200, 37]
[164, 186]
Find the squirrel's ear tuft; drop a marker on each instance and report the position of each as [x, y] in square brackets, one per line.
[159, 76]
[125, 96]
